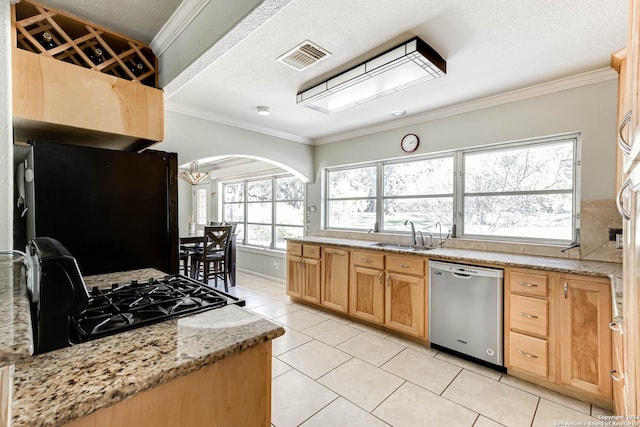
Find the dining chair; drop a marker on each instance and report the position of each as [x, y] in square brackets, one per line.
[214, 257]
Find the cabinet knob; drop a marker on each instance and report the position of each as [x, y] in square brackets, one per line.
[402, 265]
[366, 260]
[565, 290]
[615, 327]
[613, 376]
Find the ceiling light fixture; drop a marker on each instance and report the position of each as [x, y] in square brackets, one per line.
[398, 113]
[194, 176]
[411, 63]
[263, 111]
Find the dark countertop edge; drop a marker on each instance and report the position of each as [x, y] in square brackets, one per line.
[543, 263]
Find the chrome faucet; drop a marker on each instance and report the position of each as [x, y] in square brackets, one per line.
[421, 238]
[440, 241]
[413, 232]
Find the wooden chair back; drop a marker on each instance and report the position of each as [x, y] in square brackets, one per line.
[217, 239]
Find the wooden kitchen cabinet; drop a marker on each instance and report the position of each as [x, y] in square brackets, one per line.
[236, 391]
[303, 272]
[620, 391]
[584, 307]
[529, 320]
[334, 292]
[366, 287]
[405, 295]
[557, 331]
[393, 296]
[56, 98]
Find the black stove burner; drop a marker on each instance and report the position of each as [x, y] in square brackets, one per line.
[131, 305]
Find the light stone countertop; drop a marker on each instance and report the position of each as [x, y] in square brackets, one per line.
[561, 265]
[16, 336]
[55, 388]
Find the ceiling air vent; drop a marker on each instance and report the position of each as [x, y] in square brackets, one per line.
[304, 55]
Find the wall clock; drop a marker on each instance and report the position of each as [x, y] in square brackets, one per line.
[409, 143]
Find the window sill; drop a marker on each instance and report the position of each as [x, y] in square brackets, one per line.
[262, 251]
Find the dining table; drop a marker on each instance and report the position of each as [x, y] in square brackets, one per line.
[197, 237]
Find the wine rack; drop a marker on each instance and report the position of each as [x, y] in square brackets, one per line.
[46, 31]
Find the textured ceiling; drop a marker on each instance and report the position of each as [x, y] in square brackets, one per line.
[491, 47]
[138, 19]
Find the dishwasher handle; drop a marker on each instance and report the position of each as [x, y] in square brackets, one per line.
[461, 275]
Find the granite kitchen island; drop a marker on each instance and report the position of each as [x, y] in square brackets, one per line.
[211, 368]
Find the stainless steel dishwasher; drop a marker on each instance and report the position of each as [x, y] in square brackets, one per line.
[465, 310]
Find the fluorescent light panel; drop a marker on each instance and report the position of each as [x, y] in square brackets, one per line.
[409, 64]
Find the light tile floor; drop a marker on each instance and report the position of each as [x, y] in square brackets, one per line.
[329, 371]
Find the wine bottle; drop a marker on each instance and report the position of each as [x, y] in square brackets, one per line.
[96, 56]
[46, 40]
[137, 68]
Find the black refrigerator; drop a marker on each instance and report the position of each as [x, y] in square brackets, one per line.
[112, 210]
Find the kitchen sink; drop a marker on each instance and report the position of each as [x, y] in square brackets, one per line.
[400, 247]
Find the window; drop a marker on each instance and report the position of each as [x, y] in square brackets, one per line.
[525, 191]
[420, 191]
[201, 205]
[268, 210]
[351, 198]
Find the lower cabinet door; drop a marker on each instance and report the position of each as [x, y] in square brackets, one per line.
[335, 279]
[585, 337]
[311, 282]
[366, 294]
[295, 276]
[404, 303]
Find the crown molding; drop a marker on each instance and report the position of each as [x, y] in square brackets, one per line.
[177, 23]
[553, 86]
[196, 112]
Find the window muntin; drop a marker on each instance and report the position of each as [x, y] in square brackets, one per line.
[267, 221]
[524, 191]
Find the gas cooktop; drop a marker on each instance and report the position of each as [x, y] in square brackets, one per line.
[134, 304]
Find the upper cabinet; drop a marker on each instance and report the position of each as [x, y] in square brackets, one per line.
[76, 82]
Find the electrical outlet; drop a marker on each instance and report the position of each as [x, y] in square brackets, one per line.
[613, 234]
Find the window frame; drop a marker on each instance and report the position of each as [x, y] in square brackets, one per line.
[574, 138]
[458, 189]
[273, 201]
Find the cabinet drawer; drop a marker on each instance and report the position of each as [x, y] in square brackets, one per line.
[529, 354]
[530, 315]
[528, 283]
[407, 265]
[334, 251]
[311, 251]
[294, 249]
[368, 259]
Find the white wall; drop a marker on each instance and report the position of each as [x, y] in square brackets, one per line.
[590, 109]
[194, 138]
[6, 131]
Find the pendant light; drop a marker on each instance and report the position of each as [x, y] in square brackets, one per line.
[194, 177]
